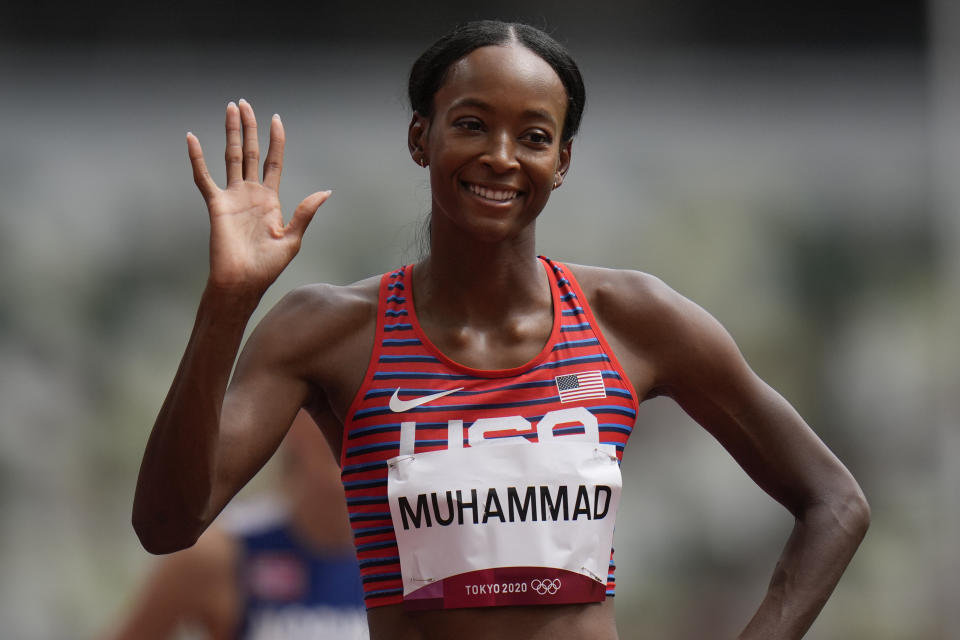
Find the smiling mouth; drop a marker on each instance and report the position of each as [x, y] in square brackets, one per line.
[494, 195]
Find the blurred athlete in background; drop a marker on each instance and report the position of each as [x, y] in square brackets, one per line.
[275, 567]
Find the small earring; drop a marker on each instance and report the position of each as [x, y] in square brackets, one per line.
[422, 163]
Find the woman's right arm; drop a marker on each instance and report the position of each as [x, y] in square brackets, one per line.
[207, 443]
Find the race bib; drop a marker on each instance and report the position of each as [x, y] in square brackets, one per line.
[510, 524]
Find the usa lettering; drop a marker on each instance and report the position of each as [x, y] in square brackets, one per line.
[477, 432]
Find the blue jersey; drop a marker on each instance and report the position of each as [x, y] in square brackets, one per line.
[290, 591]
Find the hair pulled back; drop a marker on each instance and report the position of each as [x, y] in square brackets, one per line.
[429, 72]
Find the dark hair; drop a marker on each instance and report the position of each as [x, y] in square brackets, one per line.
[429, 72]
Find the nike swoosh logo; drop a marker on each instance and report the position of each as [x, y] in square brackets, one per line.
[399, 406]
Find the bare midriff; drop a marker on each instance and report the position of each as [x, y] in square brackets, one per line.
[556, 622]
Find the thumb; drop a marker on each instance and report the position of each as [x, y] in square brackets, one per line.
[304, 212]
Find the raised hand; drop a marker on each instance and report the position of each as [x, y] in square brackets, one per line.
[249, 243]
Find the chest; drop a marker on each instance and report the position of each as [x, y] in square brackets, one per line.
[510, 343]
[567, 392]
[548, 375]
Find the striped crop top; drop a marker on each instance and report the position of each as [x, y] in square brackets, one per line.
[414, 398]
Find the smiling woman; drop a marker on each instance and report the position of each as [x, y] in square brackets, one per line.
[493, 141]
[481, 398]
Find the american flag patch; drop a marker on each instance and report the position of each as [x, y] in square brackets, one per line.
[581, 386]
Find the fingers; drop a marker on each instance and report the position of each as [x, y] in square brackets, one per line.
[233, 154]
[303, 214]
[201, 176]
[251, 146]
[273, 165]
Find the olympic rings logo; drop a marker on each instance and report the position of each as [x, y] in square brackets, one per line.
[549, 586]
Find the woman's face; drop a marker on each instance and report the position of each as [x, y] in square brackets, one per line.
[493, 142]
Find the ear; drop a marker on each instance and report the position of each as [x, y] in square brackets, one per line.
[417, 138]
[563, 164]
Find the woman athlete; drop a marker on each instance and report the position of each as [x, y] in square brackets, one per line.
[415, 374]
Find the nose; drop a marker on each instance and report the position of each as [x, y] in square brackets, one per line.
[500, 154]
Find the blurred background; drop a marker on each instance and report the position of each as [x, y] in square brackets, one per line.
[793, 167]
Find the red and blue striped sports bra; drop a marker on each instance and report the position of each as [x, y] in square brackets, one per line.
[575, 368]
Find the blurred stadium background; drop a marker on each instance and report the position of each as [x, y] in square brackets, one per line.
[793, 167]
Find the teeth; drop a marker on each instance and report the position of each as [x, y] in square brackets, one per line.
[493, 194]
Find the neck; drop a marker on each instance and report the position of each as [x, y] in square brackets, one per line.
[465, 280]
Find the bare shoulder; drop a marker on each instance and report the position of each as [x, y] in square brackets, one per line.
[338, 306]
[318, 317]
[624, 299]
[317, 337]
[655, 330]
[613, 285]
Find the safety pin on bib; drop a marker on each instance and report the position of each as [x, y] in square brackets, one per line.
[591, 574]
[604, 453]
[394, 462]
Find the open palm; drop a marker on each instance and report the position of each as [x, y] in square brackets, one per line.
[249, 243]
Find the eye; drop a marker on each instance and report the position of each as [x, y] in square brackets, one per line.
[538, 137]
[469, 124]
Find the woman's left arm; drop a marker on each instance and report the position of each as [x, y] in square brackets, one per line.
[786, 458]
[687, 355]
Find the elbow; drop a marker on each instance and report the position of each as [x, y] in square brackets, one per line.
[853, 514]
[158, 538]
[160, 545]
[847, 511]
[859, 509]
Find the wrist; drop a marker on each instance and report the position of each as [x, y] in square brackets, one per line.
[234, 302]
